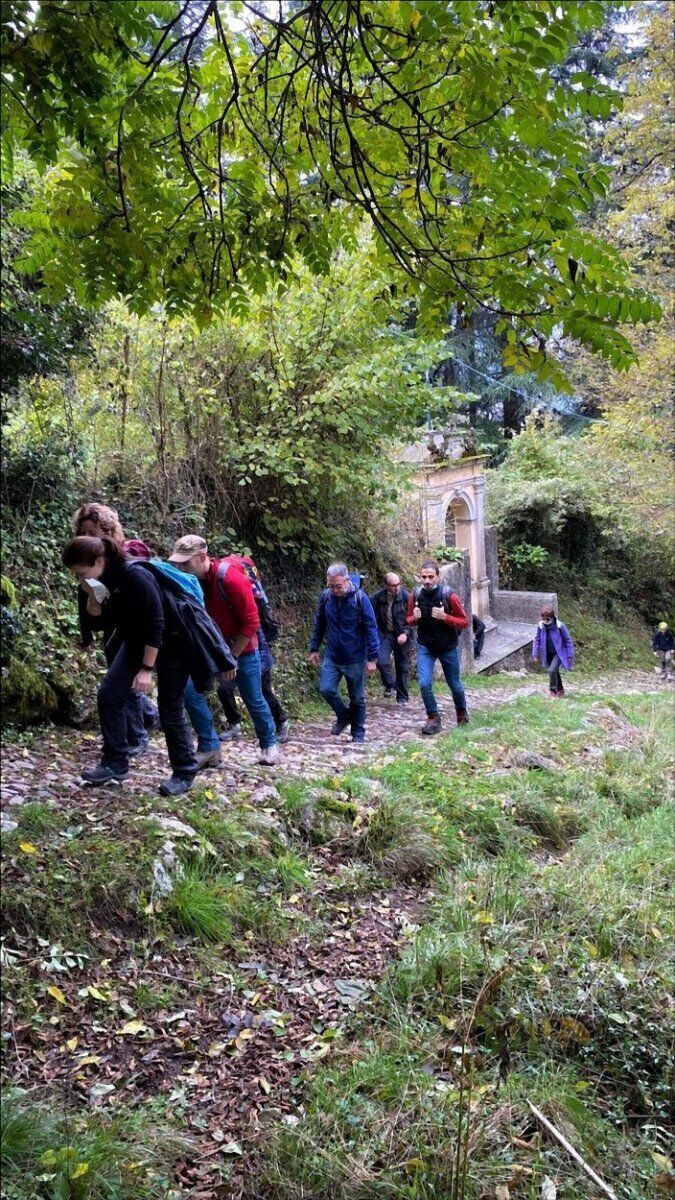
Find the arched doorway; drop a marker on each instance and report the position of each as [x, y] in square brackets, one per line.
[458, 524]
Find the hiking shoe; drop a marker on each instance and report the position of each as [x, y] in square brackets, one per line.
[553, 693]
[561, 691]
[283, 732]
[358, 739]
[269, 757]
[401, 701]
[462, 716]
[143, 745]
[433, 725]
[208, 758]
[232, 732]
[177, 785]
[339, 727]
[104, 773]
[388, 692]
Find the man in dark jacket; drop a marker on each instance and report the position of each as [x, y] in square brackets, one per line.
[345, 618]
[390, 606]
[663, 645]
[478, 628]
[438, 616]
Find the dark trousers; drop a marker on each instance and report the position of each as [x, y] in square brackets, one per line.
[117, 703]
[226, 694]
[389, 646]
[119, 709]
[554, 676]
[478, 644]
[148, 709]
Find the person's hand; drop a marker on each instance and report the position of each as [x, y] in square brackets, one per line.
[226, 676]
[439, 614]
[371, 668]
[417, 613]
[142, 681]
[402, 639]
[314, 659]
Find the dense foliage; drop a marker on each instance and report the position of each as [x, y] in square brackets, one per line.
[452, 127]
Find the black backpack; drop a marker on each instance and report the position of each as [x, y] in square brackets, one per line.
[268, 622]
[446, 593]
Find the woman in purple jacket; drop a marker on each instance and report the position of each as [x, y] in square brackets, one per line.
[553, 648]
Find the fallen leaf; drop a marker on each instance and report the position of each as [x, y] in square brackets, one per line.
[502, 1192]
[101, 1089]
[548, 1189]
[232, 1148]
[28, 848]
[133, 1027]
[265, 1086]
[88, 1060]
[57, 994]
[72, 1043]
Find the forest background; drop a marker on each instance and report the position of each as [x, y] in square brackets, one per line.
[269, 420]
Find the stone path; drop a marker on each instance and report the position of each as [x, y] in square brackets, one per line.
[48, 769]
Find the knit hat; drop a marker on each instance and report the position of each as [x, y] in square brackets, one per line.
[663, 625]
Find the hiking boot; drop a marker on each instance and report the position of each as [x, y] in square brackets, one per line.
[232, 732]
[177, 785]
[269, 757]
[339, 727]
[561, 691]
[433, 725]
[388, 692]
[553, 693]
[462, 716]
[283, 732]
[358, 739]
[402, 701]
[143, 745]
[104, 773]
[209, 758]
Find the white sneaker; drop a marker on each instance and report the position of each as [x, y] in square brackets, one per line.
[232, 732]
[269, 757]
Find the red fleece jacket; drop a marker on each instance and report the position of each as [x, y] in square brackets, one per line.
[238, 613]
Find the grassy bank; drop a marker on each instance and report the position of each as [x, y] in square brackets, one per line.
[532, 899]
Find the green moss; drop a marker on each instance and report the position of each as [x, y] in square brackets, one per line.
[28, 698]
[7, 592]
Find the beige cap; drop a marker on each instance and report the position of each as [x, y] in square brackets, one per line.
[186, 547]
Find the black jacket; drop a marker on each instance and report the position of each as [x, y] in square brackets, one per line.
[189, 632]
[663, 641]
[133, 614]
[399, 611]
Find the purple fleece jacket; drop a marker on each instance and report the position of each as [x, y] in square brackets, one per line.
[562, 642]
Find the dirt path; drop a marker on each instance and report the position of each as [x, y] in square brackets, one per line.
[51, 768]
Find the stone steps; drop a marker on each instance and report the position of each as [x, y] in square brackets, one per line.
[507, 638]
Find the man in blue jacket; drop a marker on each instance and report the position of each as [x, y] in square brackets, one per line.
[346, 619]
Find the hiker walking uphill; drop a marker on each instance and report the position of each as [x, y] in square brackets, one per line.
[158, 629]
[437, 614]
[345, 618]
[230, 602]
[553, 648]
[663, 645]
[390, 606]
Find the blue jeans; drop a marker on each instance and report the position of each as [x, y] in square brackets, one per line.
[449, 661]
[249, 682]
[201, 719]
[329, 686]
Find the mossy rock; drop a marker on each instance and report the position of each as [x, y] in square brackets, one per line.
[27, 697]
[7, 592]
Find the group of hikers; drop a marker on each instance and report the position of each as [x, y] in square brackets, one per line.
[193, 620]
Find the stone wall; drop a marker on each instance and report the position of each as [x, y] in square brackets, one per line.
[492, 560]
[521, 606]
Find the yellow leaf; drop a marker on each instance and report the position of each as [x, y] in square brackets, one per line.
[656, 933]
[28, 848]
[483, 917]
[80, 1170]
[89, 1060]
[133, 1027]
[661, 1160]
[57, 994]
[96, 993]
[446, 1022]
[295, 899]
[72, 1043]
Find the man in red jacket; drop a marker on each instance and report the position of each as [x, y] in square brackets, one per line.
[229, 600]
[437, 614]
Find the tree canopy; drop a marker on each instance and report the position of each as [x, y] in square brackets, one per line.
[197, 150]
